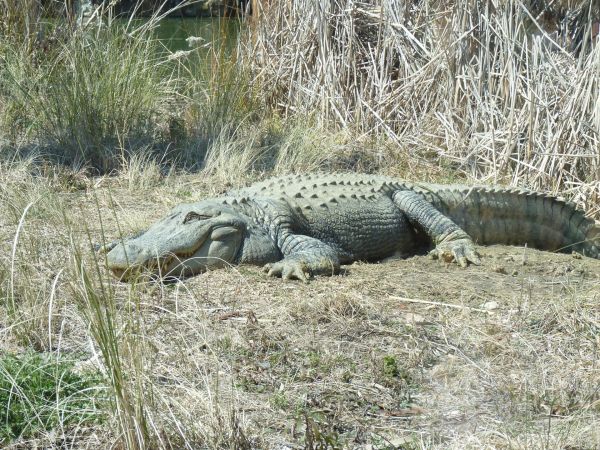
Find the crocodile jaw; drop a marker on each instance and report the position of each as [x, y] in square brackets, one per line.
[192, 239]
[217, 249]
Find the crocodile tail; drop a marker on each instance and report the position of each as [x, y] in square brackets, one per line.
[492, 215]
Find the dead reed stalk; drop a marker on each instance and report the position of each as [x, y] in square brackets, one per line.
[505, 91]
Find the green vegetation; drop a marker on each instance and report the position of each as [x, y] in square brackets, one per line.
[390, 367]
[91, 99]
[41, 392]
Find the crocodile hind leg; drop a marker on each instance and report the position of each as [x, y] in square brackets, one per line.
[451, 242]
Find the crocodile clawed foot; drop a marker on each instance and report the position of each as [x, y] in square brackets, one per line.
[288, 270]
[460, 250]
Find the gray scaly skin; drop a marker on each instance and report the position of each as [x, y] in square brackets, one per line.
[304, 225]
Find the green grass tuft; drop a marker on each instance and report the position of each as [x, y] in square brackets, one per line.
[41, 393]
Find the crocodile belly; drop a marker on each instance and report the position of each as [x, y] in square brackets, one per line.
[363, 230]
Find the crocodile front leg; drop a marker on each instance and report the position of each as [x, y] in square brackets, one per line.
[451, 242]
[304, 256]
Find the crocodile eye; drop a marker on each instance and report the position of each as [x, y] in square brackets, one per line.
[191, 216]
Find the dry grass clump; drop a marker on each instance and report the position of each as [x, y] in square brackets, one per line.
[20, 21]
[505, 91]
[275, 148]
[221, 95]
[343, 308]
[24, 199]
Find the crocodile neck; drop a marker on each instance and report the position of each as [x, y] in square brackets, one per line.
[258, 246]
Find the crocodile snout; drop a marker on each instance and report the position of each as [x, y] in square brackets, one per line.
[129, 255]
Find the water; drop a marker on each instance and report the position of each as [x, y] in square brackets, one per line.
[173, 33]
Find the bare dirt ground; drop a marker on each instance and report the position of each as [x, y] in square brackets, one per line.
[405, 354]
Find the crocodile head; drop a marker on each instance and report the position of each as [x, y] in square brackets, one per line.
[191, 239]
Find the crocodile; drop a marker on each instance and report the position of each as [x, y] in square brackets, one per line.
[298, 226]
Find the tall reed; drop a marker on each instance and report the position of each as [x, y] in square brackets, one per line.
[506, 91]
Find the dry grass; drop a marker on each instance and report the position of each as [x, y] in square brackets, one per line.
[278, 149]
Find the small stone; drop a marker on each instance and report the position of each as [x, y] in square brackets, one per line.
[415, 319]
[490, 306]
